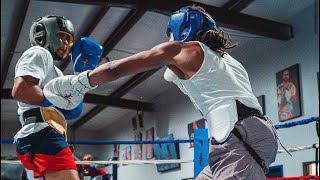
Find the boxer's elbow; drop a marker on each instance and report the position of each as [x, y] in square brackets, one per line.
[21, 91]
[17, 92]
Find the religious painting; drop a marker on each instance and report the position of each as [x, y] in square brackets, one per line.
[166, 151]
[199, 124]
[149, 148]
[288, 93]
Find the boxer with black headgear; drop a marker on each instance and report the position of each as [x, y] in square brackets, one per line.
[41, 142]
[243, 143]
[44, 33]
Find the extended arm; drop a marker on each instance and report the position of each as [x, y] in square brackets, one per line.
[158, 56]
[66, 92]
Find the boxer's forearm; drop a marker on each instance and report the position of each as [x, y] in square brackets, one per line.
[116, 69]
[102, 74]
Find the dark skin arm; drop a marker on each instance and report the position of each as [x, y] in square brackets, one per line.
[184, 59]
[26, 90]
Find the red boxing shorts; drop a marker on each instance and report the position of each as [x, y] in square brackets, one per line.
[46, 150]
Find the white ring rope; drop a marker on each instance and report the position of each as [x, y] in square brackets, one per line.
[300, 148]
[118, 162]
[170, 161]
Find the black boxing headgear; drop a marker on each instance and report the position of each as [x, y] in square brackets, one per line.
[44, 31]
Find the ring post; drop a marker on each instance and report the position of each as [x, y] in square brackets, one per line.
[201, 150]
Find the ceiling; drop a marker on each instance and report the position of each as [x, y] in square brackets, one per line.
[125, 27]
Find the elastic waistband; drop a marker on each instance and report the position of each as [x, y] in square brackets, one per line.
[245, 111]
[32, 116]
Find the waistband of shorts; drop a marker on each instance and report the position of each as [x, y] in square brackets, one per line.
[32, 116]
[245, 112]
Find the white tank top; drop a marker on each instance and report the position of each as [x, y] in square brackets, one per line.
[214, 89]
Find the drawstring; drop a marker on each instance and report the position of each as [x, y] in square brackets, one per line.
[276, 134]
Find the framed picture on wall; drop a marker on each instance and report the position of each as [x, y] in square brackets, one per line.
[149, 148]
[288, 93]
[122, 154]
[165, 151]
[128, 153]
[116, 152]
[199, 124]
[125, 154]
[261, 100]
[137, 122]
[137, 148]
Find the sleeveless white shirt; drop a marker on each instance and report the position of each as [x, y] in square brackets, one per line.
[214, 89]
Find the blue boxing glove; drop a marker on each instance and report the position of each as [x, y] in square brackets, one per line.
[92, 167]
[85, 55]
[71, 114]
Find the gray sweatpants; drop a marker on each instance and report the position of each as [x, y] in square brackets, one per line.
[231, 159]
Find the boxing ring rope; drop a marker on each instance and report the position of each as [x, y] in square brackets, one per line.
[280, 126]
[295, 123]
[306, 147]
[295, 178]
[170, 161]
[115, 142]
[119, 142]
[114, 162]
[293, 149]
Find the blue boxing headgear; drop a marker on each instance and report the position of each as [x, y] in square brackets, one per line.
[185, 23]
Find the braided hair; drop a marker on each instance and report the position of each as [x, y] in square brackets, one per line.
[217, 41]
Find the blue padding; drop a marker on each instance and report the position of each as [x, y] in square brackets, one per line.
[290, 124]
[130, 142]
[116, 142]
[201, 150]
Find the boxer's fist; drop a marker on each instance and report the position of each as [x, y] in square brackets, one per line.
[66, 92]
[85, 55]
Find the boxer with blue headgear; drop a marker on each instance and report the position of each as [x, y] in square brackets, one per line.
[243, 144]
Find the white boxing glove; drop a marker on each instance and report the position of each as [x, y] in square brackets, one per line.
[66, 92]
